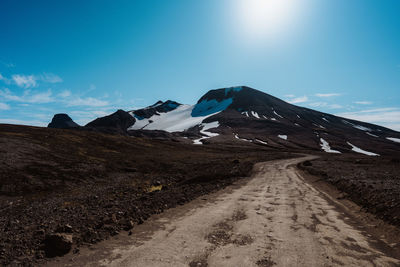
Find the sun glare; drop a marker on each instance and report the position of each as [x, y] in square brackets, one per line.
[265, 19]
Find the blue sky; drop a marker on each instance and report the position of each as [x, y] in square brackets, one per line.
[89, 58]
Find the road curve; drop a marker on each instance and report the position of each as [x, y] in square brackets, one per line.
[274, 219]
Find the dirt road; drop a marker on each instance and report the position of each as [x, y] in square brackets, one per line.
[275, 218]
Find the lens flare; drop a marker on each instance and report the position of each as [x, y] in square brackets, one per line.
[265, 19]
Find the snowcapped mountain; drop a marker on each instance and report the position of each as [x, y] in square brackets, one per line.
[243, 114]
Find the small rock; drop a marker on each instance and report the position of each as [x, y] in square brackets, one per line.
[128, 225]
[57, 244]
[114, 218]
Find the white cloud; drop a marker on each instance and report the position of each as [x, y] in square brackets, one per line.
[30, 81]
[25, 81]
[296, 100]
[28, 97]
[328, 95]
[7, 64]
[324, 105]
[363, 102]
[290, 95]
[50, 78]
[86, 116]
[388, 117]
[89, 101]
[65, 93]
[41, 98]
[318, 104]
[4, 106]
[334, 106]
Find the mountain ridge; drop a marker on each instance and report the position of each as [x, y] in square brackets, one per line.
[242, 113]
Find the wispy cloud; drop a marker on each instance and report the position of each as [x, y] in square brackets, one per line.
[65, 93]
[388, 117]
[31, 81]
[297, 100]
[24, 81]
[290, 95]
[28, 96]
[363, 102]
[328, 95]
[50, 78]
[324, 105]
[4, 106]
[7, 64]
[88, 101]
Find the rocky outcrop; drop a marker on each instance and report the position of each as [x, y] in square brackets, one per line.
[118, 122]
[62, 121]
[57, 244]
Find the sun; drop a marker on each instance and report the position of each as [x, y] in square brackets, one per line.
[265, 18]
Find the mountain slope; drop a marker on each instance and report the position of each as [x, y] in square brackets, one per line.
[243, 114]
[119, 121]
[246, 114]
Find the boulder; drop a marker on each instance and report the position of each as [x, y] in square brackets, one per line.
[57, 244]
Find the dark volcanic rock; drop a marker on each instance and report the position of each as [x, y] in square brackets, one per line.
[57, 244]
[158, 107]
[118, 122]
[62, 121]
[255, 115]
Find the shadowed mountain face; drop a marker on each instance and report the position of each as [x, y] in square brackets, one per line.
[116, 122]
[158, 107]
[243, 114]
[261, 118]
[62, 121]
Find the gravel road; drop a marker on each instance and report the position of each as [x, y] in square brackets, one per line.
[274, 218]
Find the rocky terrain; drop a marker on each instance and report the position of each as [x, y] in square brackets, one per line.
[61, 189]
[67, 185]
[372, 183]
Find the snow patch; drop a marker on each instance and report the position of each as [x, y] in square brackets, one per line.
[359, 150]
[262, 142]
[326, 147]
[177, 120]
[397, 140]
[255, 114]
[325, 119]
[372, 134]
[282, 136]
[360, 127]
[243, 139]
[245, 113]
[320, 126]
[273, 119]
[298, 116]
[204, 130]
[278, 115]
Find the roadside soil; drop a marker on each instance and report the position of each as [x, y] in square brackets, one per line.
[371, 182]
[273, 218]
[92, 186]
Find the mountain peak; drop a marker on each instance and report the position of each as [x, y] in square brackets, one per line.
[62, 121]
[118, 121]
